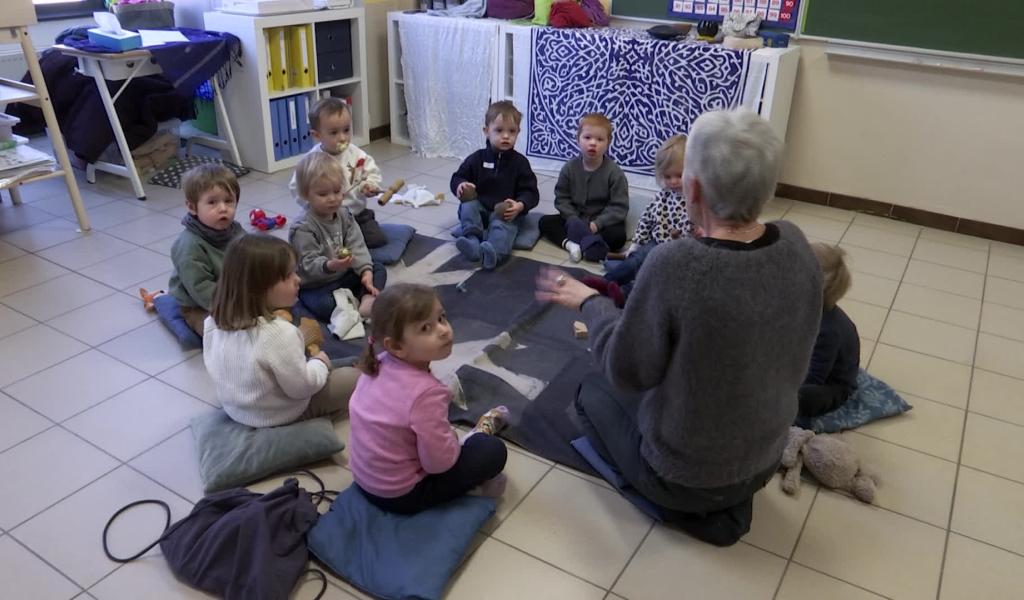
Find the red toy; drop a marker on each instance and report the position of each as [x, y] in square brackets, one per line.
[260, 220]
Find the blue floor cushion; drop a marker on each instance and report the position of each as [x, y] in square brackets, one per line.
[169, 311]
[233, 455]
[612, 476]
[396, 556]
[529, 232]
[873, 399]
[398, 238]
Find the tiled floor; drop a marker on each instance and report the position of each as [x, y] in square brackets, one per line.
[96, 398]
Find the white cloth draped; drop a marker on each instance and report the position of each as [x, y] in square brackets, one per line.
[448, 67]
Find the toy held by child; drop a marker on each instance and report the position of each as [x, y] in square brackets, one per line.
[591, 196]
[330, 123]
[665, 219]
[495, 174]
[835, 361]
[321, 236]
[403, 453]
[211, 197]
[256, 360]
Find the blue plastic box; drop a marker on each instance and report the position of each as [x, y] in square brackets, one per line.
[126, 40]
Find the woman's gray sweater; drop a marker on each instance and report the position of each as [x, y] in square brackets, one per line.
[720, 340]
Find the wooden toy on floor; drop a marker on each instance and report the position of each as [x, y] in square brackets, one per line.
[579, 329]
[391, 191]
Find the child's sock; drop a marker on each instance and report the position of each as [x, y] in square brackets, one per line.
[616, 293]
[469, 247]
[488, 256]
[574, 249]
[596, 282]
[492, 421]
[494, 487]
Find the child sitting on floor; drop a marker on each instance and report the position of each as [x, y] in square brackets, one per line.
[211, 196]
[591, 196]
[256, 360]
[404, 455]
[329, 243]
[330, 123]
[664, 219]
[835, 361]
[497, 188]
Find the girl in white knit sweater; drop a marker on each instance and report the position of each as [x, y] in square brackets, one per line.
[258, 361]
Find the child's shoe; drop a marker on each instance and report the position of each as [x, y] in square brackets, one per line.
[488, 256]
[469, 247]
[574, 249]
[492, 421]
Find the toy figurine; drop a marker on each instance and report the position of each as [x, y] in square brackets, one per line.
[260, 220]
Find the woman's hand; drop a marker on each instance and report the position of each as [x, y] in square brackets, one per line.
[555, 285]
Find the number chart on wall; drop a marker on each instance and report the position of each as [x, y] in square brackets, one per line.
[774, 13]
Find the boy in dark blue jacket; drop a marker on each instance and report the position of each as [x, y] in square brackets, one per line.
[497, 188]
[835, 362]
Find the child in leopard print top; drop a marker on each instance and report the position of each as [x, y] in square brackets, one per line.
[664, 219]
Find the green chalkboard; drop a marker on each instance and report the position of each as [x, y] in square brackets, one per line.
[642, 9]
[989, 28]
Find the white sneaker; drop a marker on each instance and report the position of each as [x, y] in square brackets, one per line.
[575, 252]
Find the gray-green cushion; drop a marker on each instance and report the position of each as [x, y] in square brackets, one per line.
[232, 455]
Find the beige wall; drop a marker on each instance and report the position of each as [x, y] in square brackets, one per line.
[377, 55]
[937, 140]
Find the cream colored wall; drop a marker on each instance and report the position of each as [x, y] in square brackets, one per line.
[936, 140]
[377, 55]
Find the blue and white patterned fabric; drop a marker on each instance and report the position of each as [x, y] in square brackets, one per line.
[872, 400]
[650, 89]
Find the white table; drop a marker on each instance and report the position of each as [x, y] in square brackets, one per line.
[125, 66]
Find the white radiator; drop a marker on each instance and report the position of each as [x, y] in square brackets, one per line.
[12, 64]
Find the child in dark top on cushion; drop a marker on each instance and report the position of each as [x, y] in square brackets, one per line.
[497, 188]
[836, 359]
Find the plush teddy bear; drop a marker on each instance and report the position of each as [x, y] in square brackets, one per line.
[309, 327]
[832, 462]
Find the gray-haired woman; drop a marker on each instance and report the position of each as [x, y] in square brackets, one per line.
[699, 372]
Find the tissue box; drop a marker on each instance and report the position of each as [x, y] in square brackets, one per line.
[124, 40]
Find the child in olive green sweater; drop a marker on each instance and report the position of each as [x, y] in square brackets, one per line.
[211, 196]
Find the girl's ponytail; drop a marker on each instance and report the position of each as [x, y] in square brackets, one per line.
[368, 362]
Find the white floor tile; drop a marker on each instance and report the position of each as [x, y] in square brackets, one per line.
[148, 578]
[137, 419]
[1001, 320]
[151, 348]
[874, 262]
[45, 469]
[998, 396]
[163, 246]
[975, 570]
[911, 483]
[67, 534]
[117, 212]
[25, 576]
[192, 378]
[873, 289]
[826, 212]
[929, 337]
[969, 259]
[998, 290]
[671, 561]
[43, 235]
[86, 250]
[994, 446]
[174, 465]
[12, 321]
[13, 218]
[1001, 355]
[148, 229]
[826, 229]
[868, 318]
[930, 427]
[987, 508]
[26, 271]
[1007, 267]
[879, 239]
[779, 517]
[523, 474]
[527, 577]
[887, 224]
[592, 537]
[129, 268]
[955, 239]
[947, 279]
[58, 392]
[938, 305]
[871, 547]
[9, 251]
[926, 376]
[801, 583]
[18, 423]
[57, 296]
[103, 319]
[32, 350]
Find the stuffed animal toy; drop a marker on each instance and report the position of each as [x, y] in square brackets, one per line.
[832, 462]
[310, 330]
[260, 220]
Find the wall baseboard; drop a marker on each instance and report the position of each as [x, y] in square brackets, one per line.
[917, 216]
[383, 131]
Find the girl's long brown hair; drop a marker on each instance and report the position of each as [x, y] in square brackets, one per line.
[394, 308]
[253, 263]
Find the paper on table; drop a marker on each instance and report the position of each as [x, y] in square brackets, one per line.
[155, 37]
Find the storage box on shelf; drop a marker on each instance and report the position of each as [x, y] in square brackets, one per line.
[288, 62]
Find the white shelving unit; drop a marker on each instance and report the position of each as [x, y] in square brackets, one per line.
[15, 16]
[248, 96]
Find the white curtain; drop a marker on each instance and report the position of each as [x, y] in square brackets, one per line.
[448, 66]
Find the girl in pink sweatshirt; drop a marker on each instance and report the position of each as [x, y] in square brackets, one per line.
[403, 453]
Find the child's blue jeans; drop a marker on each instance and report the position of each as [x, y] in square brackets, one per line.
[625, 272]
[474, 218]
[320, 300]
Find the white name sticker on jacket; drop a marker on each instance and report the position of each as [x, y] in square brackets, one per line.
[488, 165]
